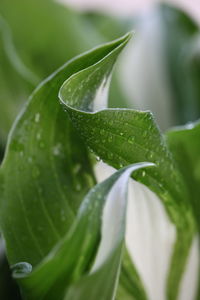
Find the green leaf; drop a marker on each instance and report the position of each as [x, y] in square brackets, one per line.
[52, 42]
[26, 61]
[30, 53]
[82, 259]
[165, 79]
[54, 167]
[131, 286]
[181, 35]
[14, 89]
[121, 137]
[48, 170]
[184, 143]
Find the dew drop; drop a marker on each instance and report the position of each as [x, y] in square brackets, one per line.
[21, 153]
[90, 149]
[57, 150]
[158, 163]
[151, 155]
[37, 117]
[78, 187]
[38, 136]
[143, 173]
[145, 133]
[30, 159]
[131, 140]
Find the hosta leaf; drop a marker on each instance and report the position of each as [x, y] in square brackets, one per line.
[121, 137]
[26, 61]
[102, 214]
[184, 143]
[12, 95]
[131, 286]
[166, 78]
[47, 171]
[54, 34]
[181, 35]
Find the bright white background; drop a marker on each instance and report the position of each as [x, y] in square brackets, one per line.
[129, 7]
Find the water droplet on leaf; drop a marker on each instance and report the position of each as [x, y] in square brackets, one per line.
[30, 159]
[57, 149]
[38, 136]
[37, 117]
[78, 187]
[143, 173]
[21, 153]
[131, 140]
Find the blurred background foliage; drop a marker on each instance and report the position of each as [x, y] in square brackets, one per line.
[159, 71]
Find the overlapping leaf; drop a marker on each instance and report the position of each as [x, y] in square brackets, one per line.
[47, 171]
[122, 137]
[75, 254]
[30, 53]
[184, 142]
